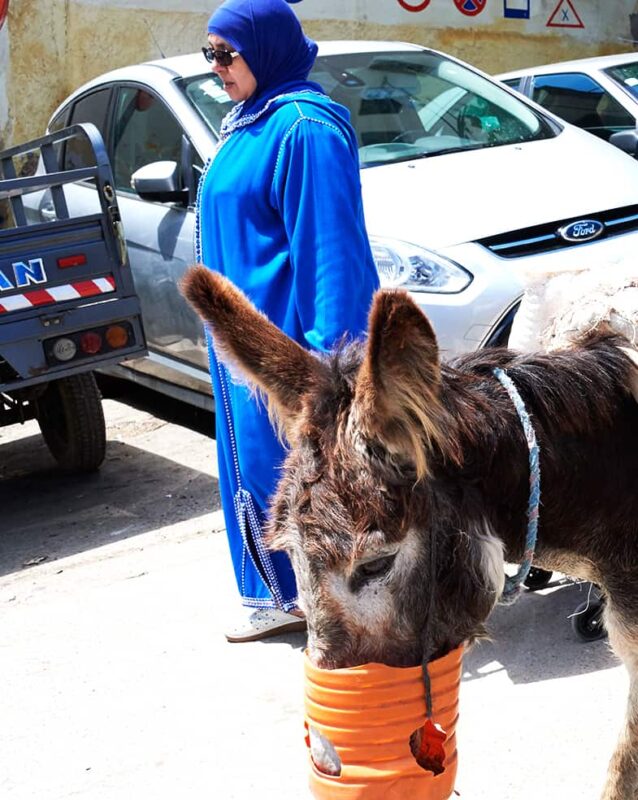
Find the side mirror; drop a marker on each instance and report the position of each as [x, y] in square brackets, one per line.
[160, 181]
[626, 140]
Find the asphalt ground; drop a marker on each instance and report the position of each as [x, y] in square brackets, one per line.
[117, 682]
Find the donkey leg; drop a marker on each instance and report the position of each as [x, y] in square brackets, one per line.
[622, 777]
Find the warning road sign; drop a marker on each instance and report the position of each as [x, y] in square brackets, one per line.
[565, 16]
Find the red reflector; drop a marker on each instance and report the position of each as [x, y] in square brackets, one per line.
[72, 261]
[90, 342]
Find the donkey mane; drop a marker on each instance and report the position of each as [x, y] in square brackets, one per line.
[572, 392]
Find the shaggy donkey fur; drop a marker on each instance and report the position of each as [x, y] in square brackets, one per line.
[394, 454]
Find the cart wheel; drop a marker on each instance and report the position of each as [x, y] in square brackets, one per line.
[587, 621]
[71, 419]
[538, 578]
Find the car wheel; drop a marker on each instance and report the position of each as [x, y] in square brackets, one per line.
[587, 621]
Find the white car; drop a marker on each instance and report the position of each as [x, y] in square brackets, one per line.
[597, 94]
[465, 185]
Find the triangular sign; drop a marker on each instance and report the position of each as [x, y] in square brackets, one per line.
[565, 16]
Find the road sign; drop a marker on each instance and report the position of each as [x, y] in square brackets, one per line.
[470, 7]
[416, 5]
[4, 10]
[565, 16]
[518, 9]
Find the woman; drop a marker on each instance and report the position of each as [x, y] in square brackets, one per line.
[280, 214]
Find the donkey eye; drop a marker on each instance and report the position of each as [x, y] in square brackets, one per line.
[376, 568]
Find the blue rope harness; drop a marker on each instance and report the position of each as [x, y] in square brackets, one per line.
[514, 584]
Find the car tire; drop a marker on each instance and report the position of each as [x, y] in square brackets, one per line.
[587, 621]
[71, 418]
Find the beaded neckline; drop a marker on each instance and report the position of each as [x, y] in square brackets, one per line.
[233, 120]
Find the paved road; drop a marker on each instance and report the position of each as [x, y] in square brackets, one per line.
[117, 683]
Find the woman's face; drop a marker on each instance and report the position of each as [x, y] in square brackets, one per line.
[239, 82]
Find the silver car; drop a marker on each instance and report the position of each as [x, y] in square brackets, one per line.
[466, 185]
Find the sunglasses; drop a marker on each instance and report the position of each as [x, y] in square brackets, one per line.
[224, 58]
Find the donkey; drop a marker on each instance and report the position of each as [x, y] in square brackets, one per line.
[406, 486]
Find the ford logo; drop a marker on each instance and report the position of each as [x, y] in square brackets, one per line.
[583, 230]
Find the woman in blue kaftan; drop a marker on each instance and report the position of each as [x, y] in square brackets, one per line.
[280, 214]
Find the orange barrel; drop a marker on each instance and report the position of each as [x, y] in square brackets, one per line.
[369, 714]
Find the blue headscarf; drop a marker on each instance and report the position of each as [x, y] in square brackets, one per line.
[270, 38]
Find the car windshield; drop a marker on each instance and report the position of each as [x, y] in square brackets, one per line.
[404, 105]
[626, 75]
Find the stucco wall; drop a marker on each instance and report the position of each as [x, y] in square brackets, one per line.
[56, 45]
[50, 47]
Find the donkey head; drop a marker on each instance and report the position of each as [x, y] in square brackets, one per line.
[373, 538]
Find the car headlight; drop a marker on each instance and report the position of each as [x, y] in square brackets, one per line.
[406, 266]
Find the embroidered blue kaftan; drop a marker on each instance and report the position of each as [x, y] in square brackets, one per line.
[280, 214]
[291, 236]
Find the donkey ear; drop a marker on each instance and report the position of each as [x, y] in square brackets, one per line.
[397, 394]
[246, 340]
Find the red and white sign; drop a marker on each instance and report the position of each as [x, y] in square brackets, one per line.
[565, 16]
[470, 7]
[417, 5]
[4, 10]
[56, 294]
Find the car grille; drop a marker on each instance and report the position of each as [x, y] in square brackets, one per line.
[542, 238]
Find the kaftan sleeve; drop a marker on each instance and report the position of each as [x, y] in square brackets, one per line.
[318, 192]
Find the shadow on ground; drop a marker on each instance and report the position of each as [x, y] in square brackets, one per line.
[157, 404]
[48, 514]
[533, 639]
[296, 641]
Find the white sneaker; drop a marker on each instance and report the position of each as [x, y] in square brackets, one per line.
[260, 623]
